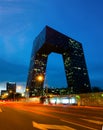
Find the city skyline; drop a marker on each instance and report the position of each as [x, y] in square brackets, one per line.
[21, 22]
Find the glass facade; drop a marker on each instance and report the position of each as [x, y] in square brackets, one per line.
[50, 40]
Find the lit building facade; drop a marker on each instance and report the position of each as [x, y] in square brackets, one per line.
[11, 87]
[50, 40]
[3, 92]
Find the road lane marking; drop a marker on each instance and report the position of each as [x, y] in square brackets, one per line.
[93, 121]
[0, 110]
[48, 126]
[79, 125]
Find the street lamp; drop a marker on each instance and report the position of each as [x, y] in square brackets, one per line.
[27, 93]
[40, 79]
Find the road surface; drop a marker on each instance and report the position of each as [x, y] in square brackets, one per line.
[29, 116]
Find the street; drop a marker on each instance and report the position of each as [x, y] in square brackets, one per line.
[30, 116]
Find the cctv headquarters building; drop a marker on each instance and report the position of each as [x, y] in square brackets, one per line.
[50, 40]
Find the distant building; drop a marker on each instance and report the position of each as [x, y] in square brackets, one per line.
[11, 87]
[3, 92]
[50, 40]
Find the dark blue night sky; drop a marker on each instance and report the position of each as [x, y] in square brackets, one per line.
[22, 20]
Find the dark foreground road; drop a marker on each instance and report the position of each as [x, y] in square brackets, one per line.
[29, 116]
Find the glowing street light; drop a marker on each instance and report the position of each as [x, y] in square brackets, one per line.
[27, 89]
[40, 78]
[27, 93]
[10, 91]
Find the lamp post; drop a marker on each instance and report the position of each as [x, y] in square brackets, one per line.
[27, 94]
[40, 79]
